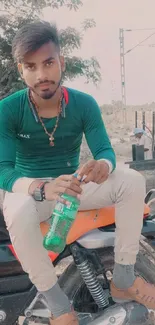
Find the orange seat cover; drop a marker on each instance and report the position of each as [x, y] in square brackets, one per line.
[89, 220]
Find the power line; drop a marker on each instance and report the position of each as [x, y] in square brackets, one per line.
[145, 39]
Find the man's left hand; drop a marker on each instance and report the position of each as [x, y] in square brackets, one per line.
[96, 171]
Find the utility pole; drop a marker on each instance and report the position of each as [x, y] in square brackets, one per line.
[122, 66]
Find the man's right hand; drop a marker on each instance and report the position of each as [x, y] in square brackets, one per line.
[67, 184]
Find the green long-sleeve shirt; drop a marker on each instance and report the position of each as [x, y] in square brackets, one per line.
[24, 146]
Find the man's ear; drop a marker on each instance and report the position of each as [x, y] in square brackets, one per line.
[20, 70]
[62, 61]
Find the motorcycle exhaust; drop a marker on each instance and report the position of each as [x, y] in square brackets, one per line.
[126, 314]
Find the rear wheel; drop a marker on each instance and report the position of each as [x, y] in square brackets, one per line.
[73, 285]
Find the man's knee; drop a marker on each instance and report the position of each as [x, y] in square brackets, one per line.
[19, 210]
[135, 179]
[130, 176]
[129, 182]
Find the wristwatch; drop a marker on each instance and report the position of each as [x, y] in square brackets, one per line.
[39, 192]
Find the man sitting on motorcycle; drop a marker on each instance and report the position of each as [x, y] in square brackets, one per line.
[41, 129]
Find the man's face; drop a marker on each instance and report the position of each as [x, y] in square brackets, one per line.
[42, 70]
[138, 135]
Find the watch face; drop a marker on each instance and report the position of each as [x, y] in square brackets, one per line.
[38, 195]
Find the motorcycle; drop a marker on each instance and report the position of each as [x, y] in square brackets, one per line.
[86, 281]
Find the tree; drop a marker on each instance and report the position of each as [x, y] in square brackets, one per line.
[15, 13]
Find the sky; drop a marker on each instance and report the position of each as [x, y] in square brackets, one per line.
[103, 43]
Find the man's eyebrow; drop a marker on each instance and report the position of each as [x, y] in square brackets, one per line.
[29, 63]
[33, 63]
[49, 59]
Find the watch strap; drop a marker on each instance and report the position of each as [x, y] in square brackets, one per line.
[39, 193]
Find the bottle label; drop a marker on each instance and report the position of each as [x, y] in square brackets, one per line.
[61, 206]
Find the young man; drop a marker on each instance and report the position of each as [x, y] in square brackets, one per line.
[143, 139]
[41, 130]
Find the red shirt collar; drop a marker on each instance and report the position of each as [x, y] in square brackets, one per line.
[66, 95]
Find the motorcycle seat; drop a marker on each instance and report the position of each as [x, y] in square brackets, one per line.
[85, 222]
[89, 220]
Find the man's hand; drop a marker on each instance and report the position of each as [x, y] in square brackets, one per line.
[96, 171]
[67, 184]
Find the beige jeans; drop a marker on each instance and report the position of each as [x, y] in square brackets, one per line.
[125, 188]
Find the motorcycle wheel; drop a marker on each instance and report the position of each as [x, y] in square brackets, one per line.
[73, 285]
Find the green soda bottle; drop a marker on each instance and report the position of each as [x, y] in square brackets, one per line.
[62, 219]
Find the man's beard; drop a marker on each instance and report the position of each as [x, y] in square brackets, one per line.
[47, 94]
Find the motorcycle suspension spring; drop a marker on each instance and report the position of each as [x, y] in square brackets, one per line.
[93, 285]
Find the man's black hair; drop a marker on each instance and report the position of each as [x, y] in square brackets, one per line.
[32, 36]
